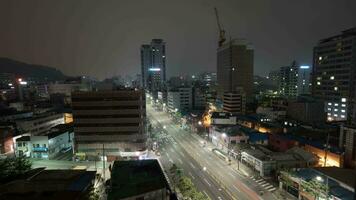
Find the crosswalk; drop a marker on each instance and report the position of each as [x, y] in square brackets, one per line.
[264, 184]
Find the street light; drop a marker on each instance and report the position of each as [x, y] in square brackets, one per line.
[223, 135]
[200, 123]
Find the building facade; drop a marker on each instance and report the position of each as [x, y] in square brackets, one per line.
[153, 65]
[40, 124]
[110, 121]
[180, 99]
[235, 67]
[347, 141]
[234, 102]
[334, 75]
[288, 83]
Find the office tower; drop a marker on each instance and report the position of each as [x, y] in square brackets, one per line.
[153, 66]
[304, 72]
[288, 82]
[235, 67]
[235, 102]
[110, 121]
[334, 75]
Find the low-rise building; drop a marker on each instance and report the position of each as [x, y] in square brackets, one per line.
[40, 124]
[306, 111]
[46, 146]
[50, 184]
[319, 183]
[180, 99]
[140, 179]
[235, 102]
[348, 143]
[267, 162]
[7, 133]
[222, 118]
[271, 113]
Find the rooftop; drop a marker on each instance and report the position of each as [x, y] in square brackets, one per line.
[49, 184]
[130, 178]
[336, 182]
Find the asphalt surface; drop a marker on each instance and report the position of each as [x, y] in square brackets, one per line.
[220, 180]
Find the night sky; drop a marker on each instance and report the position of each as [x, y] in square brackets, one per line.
[102, 38]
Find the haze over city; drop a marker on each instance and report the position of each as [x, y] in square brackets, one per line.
[178, 100]
[101, 40]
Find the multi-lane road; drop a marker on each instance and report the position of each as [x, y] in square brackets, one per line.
[211, 175]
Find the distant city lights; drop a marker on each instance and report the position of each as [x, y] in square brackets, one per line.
[304, 67]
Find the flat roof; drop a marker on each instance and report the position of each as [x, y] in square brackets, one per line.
[134, 177]
[49, 184]
[335, 188]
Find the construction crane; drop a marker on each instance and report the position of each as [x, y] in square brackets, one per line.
[222, 38]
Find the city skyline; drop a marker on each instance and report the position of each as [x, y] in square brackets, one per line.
[80, 39]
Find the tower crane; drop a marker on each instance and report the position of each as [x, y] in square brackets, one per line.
[222, 38]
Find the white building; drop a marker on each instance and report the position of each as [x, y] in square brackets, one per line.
[40, 124]
[60, 139]
[180, 99]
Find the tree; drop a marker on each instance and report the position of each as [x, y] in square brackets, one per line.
[12, 168]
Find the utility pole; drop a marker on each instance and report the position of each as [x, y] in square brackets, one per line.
[326, 149]
[103, 162]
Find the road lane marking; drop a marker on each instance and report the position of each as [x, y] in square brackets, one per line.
[191, 164]
[191, 175]
[259, 180]
[207, 182]
[269, 187]
[236, 188]
[181, 153]
[180, 161]
[263, 182]
[206, 194]
[232, 175]
[271, 190]
[264, 185]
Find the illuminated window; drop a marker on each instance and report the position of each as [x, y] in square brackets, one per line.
[318, 83]
[329, 109]
[335, 115]
[343, 105]
[342, 116]
[343, 99]
[330, 104]
[318, 78]
[320, 57]
[336, 88]
[332, 77]
[343, 111]
[329, 114]
[335, 110]
[336, 104]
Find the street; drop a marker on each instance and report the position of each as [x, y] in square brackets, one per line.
[219, 180]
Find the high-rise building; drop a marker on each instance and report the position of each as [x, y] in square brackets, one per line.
[153, 65]
[304, 72]
[294, 80]
[334, 75]
[235, 67]
[110, 121]
[235, 102]
[288, 82]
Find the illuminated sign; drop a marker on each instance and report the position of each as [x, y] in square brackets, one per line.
[154, 69]
[304, 67]
[43, 149]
